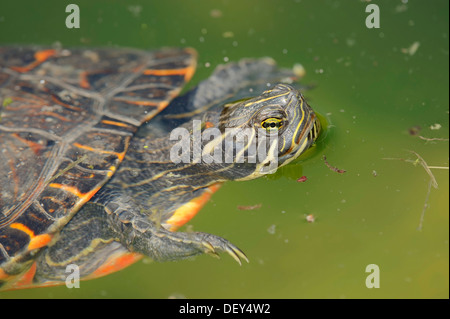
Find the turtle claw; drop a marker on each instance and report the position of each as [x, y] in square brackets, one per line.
[213, 243]
[236, 253]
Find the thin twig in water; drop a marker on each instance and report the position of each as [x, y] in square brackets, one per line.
[335, 169]
[422, 162]
[414, 162]
[432, 139]
[432, 181]
[425, 206]
[427, 169]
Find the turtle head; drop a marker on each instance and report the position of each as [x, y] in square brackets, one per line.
[278, 126]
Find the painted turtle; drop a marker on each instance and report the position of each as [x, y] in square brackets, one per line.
[87, 154]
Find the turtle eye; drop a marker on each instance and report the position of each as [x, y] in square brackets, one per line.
[272, 124]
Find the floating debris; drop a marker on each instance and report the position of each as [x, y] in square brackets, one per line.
[228, 34]
[271, 229]
[350, 42]
[310, 218]
[435, 127]
[414, 130]
[335, 169]
[135, 10]
[215, 13]
[250, 207]
[401, 8]
[302, 179]
[299, 70]
[412, 49]
[176, 295]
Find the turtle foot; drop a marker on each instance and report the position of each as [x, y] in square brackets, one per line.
[166, 245]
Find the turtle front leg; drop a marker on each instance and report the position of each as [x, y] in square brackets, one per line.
[163, 245]
[104, 238]
[139, 234]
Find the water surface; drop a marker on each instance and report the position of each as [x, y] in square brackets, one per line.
[372, 85]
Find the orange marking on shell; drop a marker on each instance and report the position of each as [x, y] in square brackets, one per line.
[23, 228]
[39, 241]
[39, 57]
[186, 212]
[27, 278]
[84, 82]
[3, 274]
[35, 147]
[143, 103]
[162, 105]
[114, 264]
[73, 190]
[71, 107]
[209, 124]
[53, 114]
[112, 170]
[187, 72]
[77, 176]
[43, 55]
[36, 241]
[120, 156]
[108, 122]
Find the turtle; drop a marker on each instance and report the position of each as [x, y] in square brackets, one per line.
[105, 160]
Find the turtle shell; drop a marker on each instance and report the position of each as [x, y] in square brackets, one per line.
[66, 120]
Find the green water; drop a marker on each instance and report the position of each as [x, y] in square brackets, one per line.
[372, 85]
